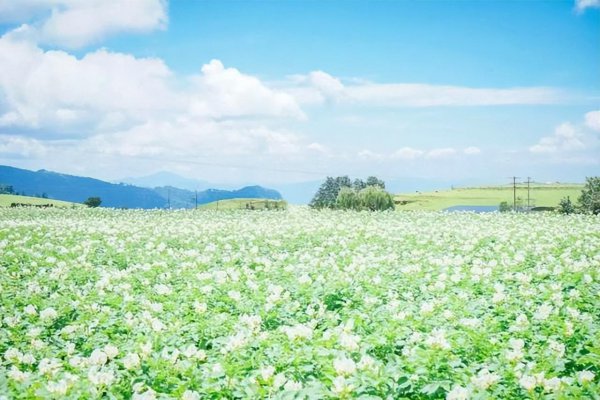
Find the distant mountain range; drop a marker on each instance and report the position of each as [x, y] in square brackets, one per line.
[77, 189]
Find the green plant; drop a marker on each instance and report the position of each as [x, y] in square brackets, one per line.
[589, 201]
[93, 202]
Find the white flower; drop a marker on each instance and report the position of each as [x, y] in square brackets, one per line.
[543, 312]
[100, 377]
[162, 289]
[366, 362]
[485, 379]
[267, 372]
[131, 361]
[48, 314]
[59, 388]
[458, 393]
[30, 310]
[98, 357]
[585, 377]
[13, 355]
[299, 331]
[552, 384]
[349, 341]
[292, 386]
[437, 339]
[527, 382]
[17, 375]
[147, 395]
[200, 308]
[190, 395]
[426, 308]
[341, 386]
[234, 295]
[111, 351]
[344, 366]
[279, 380]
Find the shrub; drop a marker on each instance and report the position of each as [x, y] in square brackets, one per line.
[504, 207]
[348, 199]
[566, 206]
[374, 198]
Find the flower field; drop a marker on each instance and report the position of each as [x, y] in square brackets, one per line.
[298, 304]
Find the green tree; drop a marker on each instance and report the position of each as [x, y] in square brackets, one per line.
[504, 207]
[326, 196]
[566, 206]
[93, 202]
[374, 198]
[373, 181]
[348, 199]
[589, 200]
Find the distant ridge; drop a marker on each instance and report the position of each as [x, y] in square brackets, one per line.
[77, 189]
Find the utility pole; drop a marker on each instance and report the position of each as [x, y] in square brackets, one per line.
[514, 183]
[169, 198]
[528, 197]
[196, 199]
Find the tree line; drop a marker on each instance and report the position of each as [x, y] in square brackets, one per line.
[345, 194]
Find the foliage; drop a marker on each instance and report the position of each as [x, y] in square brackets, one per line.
[93, 202]
[347, 199]
[374, 198]
[504, 207]
[126, 304]
[566, 206]
[326, 196]
[589, 200]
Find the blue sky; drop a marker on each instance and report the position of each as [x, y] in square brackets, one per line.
[288, 91]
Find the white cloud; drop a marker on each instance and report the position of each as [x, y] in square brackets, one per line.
[581, 5]
[472, 150]
[12, 146]
[318, 87]
[592, 120]
[76, 23]
[53, 89]
[407, 153]
[565, 139]
[441, 153]
[224, 91]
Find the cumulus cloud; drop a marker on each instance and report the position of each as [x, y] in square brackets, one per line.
[76, 23]
[56, 89]
[104, 91]
[582, 5]
[224, 91]
[592, 120]
[564, 139]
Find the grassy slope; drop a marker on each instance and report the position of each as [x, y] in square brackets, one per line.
[541, 195]
[7, 199]
[237, 204]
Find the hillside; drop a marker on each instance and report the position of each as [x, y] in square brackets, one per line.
[77, 189]
[541, 195]
[7, 199]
